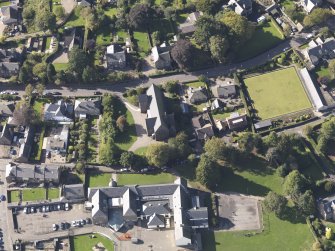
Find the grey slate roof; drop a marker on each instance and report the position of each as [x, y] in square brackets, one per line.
[115, 55]
[36, 172]
[60, 111]
[263, 124]
[87, 107]
[156, 220]
[155, 207]
[74, 192]
[325, 50]
[9, 14]
[7, 110]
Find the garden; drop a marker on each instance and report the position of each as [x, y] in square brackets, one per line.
[33, 194]
[98, 179]
[145, 179]
[277, 93]
[90, 242]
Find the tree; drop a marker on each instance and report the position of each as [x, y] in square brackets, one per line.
[215, 148]
[207, 172]
[324, 32]
[158, 154]
[239, 27]
[179, 146]
[208, 6]
[183, 53]
[24, 115]
[156, 37]
[89, 75]
[80, 167]
[29, 90]
[308, 131]
[127, 159]
[77, 60]
[206, 27]
[121, 123]
[171, 86]
[247, 142]
[170, 13]
[45, 20]
[272, 139]
[294, 184]
[218, 46]
[329, 233]
[51, 72]
[317, 16]
[140, 16]
[272, 156]
[59, 11]
[23, 75]
[276, 203]
[108, 153]
[331, 67]
[306, 203]
[40, 71]
[40, 89]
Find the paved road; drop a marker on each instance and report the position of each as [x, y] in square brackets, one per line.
[83, 90]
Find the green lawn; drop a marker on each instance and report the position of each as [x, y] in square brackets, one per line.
[47, 43]
[277, 93]
[196, 84]
[34, 194]
[13, 196]
[38, 107]
[251, 176]
[86, 243]
[60, 66]
[53, 193]
[142, 41]
[127, 138]
[111, 12]
[37, 148]
[99, 179]
[278, 235]
[224, 115]
[265, 37]
[141, 151]
[144, 179]
[2, 4]
[75, 20]
[104, 36]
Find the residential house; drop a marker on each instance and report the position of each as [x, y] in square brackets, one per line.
[203, 126]
[241, 7]
[87, 107]
[197, 95]
[61, 112]
[74, 192]
[160, 125]
[310, 5]
[9, 15]
[32, 173]
[85, 3]
[56, 144]
[188, 27]
[320, 50]
[224, 88]
[115, 57]
[156, 206]
[9, 63]
[236, 121]
[327, 208]
[161, 57]
[73, 37]
[7, 134]
[6, 109]
[25, 145]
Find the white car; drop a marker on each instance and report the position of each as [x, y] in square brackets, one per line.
[14, 93]
[67, 207]
[54, 227]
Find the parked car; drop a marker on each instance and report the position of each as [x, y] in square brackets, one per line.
[2, 197]
[82, 222]
[56, 93]
[74, 223]
[88, 221]
[14, 93]
[97, 93]
[123, 170]
[67, 207]
[47, 208]
[54, 227]
[32, 209]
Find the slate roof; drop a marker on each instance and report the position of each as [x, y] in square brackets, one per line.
[7, 134]
[241, 7]
[37, 172]
[325, 50]
[90, 107]
[161, 53]
[74, 192]
[203, 127]
[189, 25]
[156, 220]
[156, 207]
[9, 14]
[60, 111]
[6, 110]
[263, 124]
[115, 54]
[9, 55]
[74, 38]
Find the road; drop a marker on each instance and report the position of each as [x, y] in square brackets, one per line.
[119, 88]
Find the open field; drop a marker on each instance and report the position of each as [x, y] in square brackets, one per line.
[264, 38]
[85, 242]
[99, 179]
[144, 179]
[277, 93]
[278, 235]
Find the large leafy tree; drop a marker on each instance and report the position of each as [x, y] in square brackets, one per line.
[179, 146]
[127, 159]
[306, 203]
[140, 16]
[218, 47]
[276, 203]
[208, 172]
[295, 184]
[249, 141]
[208, 6]
[158, 154]
[240, 29]
[24, 115]
[183, 53]
[77, 61]
[317, 16]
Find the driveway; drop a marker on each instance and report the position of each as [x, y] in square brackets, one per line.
[2, 28]
[143, 140]
[238, 212]
[68, 5]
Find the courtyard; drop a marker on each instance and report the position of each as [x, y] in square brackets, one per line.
[238, 212]
[277, 93]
